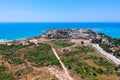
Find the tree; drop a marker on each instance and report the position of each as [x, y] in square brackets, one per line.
[82, 42]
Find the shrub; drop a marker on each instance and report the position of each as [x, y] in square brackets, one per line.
[85, 49]
[95, 78]
[42, 55]
[100, 71]
[62, 44]
[94, 74]
[118, 74]
[5, 76]
[2, 68]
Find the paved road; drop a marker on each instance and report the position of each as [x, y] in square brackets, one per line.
[107, 55]
[63, 66]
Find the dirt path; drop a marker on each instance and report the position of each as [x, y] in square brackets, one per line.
[59, 74]
[63, 66]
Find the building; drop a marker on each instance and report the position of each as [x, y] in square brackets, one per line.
[79, 36]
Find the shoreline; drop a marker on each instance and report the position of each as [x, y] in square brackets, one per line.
[96, 30]
[4, 40]
[27, 30]
[26, 38]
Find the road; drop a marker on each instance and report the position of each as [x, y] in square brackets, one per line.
[63, 66]
[107, 55]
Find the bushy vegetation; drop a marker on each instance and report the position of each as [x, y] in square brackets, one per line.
[12, 53]
[93, 57]
[83, 69]
[62, 44]
[85, 49]
[96, 41]
[116, 41]
[106, 47]
[75, 61]
[42, 56]
[78, 50]
[105, 63]
[101, 61]
[118, 74]
[2, 68]
[13, 58]
[4, 74]
[13, 47]
[23, 71]
[15, 55]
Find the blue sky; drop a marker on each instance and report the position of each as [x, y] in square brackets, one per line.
[59, 10]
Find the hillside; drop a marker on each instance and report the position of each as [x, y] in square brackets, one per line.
[57, 55]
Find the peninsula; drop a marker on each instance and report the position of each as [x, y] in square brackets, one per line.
[61, 54]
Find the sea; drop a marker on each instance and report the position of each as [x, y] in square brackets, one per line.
[21, 30]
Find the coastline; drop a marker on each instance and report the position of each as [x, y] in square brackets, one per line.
[96, 30]
[81, 38]
[13, 31]
[4, 40]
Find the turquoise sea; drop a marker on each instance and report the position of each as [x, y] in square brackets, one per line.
[12, 31]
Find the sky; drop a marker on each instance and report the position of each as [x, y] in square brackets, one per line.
[59, 10]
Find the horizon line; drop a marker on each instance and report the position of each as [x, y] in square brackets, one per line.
[58, 22]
